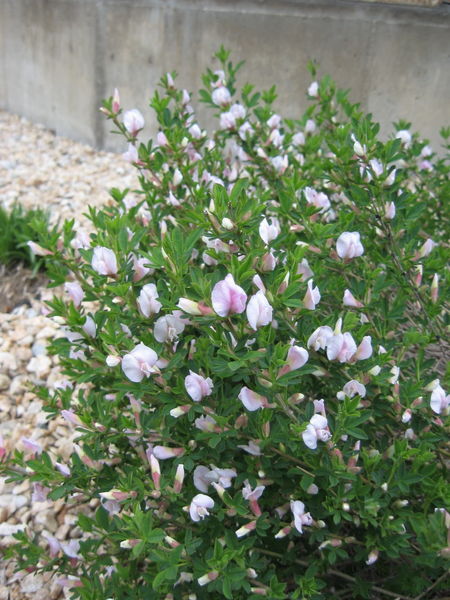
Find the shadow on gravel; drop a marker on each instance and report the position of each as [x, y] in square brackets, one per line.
[18, 285]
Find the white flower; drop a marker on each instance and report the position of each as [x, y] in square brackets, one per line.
[251, 400]
[104, 261]
[198, 509]
[269, 232]
[312, 296]
[320, 338]
[197, 386]
[133, 121]
[147, 300]
[439, 401]
[167, 328]
[348, 245]
[313, 89]
[259, 311]
[221, 96]
[317, 429]
[300, 517]
[139, 363]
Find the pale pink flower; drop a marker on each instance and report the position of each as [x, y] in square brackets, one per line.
[131, 155]
[313, 89]
[274, 121]
[246, 529]
[341, 347]
[269, 232]
[140, 269]
[63, 469]
[206, 423]
[168, 328]
[38, 250]
[116, 101]
[304, 270]
[317, 429]
[133, 121]
[251, 448]
[259, 311]
[251, 400]
[364, 349]
[350, 300]
[317, 199]
[147, 300]
[71, 548]
[227, 120]
[195, 131]
[238, 111]
[390, 178]
[81, 240]
[203, 477]
[418, 275]
[439, 401]
[53, 544]
[228, 298]
[112, 360]
[358, 149]
[373, 557]
[296, 358]
[376, 167]
[269, 262]
[40, 492]
[405, 136]
[425, 249]
[319, 406]
[245, 130]
[300, 517]
[395, 372]
[72, 418]
[312, 296]
[320, 338]
[161, 139]
[352, 388]
[104, 261]
[221, 96]
[280, 163]
[165, 452]
[299, 139]
[407, 416]
[389, 210]
[190, 307]
[89, 327]
[275, 138]
[310, 126]
[250, 494]
[75, 291]
[197, 386]
[208, 577]
[139, 363]
[434, 290]
[198, 509]
[348, 245]
[31, 445]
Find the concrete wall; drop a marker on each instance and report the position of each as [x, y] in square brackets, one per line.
[59, 58]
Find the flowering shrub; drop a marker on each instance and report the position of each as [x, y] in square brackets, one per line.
[254, 360]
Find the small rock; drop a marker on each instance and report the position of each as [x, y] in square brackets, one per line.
[4, 382]
[39, 365]
[38, 349]
[7, 529]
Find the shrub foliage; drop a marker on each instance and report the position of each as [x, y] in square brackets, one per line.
[254, 359]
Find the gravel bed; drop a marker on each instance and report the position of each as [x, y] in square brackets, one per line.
[39, 169]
